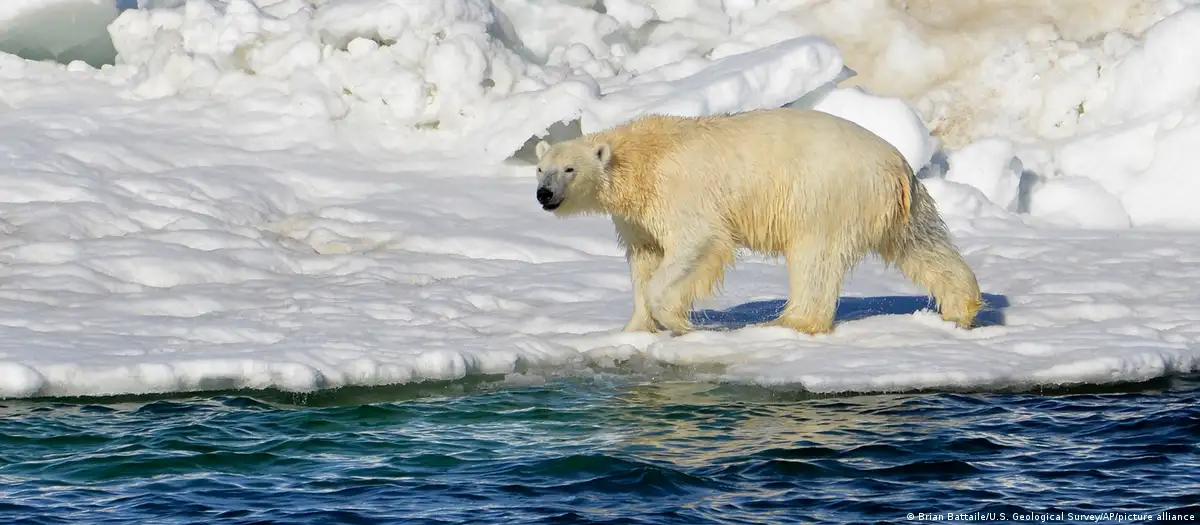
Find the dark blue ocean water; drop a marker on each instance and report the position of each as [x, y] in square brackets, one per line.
[611, 450]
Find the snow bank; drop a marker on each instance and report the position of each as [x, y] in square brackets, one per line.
[1122, 136]
[62, 30]
[1103, 98]
[770, 77]
[1138, 139]
[454, 68]
[888, 117]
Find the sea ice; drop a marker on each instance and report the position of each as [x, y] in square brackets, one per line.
[279, 194]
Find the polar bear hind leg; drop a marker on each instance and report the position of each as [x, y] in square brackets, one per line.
[925, 253]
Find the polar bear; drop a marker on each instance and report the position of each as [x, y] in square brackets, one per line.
[685, 192]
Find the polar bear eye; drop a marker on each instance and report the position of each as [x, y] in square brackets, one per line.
[570, 170]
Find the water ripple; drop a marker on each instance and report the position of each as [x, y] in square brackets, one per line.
[578, 453]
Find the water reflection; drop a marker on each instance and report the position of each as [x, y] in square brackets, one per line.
[698, 424]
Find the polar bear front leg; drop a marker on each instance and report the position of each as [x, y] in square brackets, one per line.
[643, 260]
[667, 287]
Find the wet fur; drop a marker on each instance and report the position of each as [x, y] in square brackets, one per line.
[685, 192]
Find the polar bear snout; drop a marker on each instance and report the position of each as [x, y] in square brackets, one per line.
[548, 198]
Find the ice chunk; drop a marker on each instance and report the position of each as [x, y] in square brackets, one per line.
[60, 30]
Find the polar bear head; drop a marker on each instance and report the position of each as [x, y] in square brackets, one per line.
[569, 174]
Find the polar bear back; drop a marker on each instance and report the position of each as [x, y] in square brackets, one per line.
[761, 173]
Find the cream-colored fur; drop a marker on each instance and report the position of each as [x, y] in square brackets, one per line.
[822, 191]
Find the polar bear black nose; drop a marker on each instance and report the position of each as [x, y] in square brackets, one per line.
[544, 195]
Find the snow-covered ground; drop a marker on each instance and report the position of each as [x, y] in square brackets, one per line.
[302, 195]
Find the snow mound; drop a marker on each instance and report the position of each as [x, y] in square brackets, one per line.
[1120, 140]
[888, 117]
[770, 77]
[62, 30]
[991, 166]
[1078, 202]
[1137, 141]
[453, 68]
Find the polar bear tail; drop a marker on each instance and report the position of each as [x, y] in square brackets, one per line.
[923, 250]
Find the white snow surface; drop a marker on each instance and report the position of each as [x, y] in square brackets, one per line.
[296, 195]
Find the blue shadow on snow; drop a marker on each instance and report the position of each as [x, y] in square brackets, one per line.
[849, 309]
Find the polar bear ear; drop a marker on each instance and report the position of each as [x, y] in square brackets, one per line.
[603, 154]
[541, 148]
